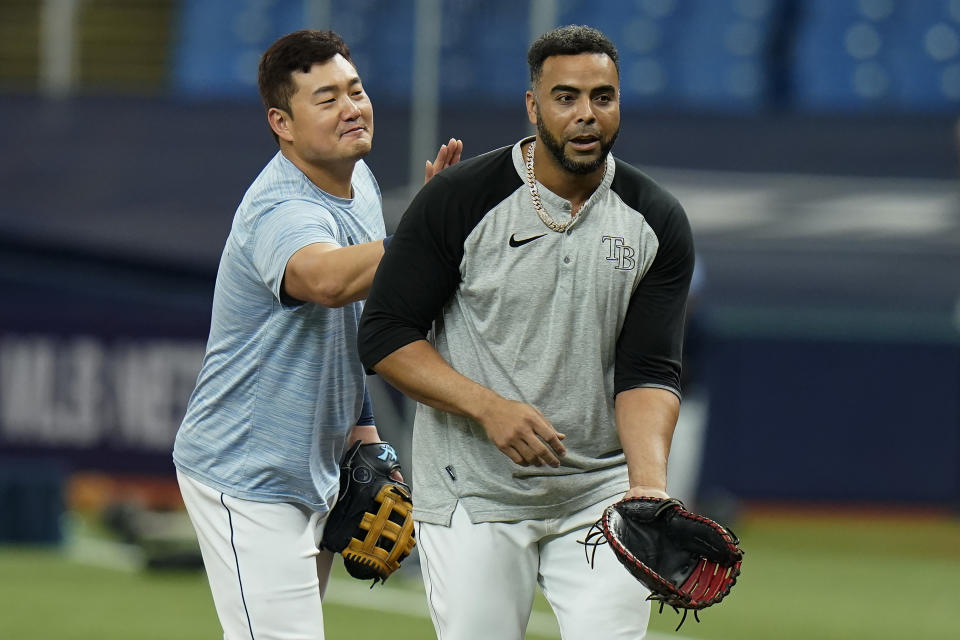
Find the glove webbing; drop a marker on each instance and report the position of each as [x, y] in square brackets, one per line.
[370, 550]
[709, 580]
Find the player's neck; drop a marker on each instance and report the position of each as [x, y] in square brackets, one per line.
[574, 187]
[333, 178]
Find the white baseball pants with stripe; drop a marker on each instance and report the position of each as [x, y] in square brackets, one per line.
[480, 579]
[265, 571]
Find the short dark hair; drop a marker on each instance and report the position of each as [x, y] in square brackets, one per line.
[297, 51]
[570, 40]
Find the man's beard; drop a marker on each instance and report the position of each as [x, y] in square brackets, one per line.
[556, 150]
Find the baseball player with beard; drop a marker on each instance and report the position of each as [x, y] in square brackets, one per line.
[532, 301]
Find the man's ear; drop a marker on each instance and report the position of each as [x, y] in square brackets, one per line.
[531, 108]
[280, 123]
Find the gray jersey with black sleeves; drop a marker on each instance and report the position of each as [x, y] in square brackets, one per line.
[562, 321]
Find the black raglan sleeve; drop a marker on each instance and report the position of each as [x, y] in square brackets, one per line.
[650, 345]
[417, 275]
[420, 271]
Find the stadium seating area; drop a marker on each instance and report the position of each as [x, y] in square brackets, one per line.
[723, 55]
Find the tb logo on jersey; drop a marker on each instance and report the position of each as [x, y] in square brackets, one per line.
[620, 253]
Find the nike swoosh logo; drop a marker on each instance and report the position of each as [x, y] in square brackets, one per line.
[519, 243]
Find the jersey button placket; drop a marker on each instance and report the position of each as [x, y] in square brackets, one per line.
[568, 249]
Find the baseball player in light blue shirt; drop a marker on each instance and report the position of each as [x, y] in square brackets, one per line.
[281, 390]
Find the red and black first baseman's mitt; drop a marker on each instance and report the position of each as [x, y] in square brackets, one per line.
[687, 561]
[371, 525]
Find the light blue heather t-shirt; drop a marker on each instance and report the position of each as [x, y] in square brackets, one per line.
[281, 384]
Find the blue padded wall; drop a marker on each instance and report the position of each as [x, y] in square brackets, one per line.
[31, 500]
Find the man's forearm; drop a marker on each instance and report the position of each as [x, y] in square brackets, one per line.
[518, 430]
[646, 419]
[420, 372]
[333, 276]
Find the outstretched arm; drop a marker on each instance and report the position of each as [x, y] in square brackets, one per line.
[331, 275]
[335, 276]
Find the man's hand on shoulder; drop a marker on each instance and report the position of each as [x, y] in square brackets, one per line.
[448, 155]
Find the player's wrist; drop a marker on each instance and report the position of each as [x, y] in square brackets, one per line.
[364, 433]
[647, 491]
[483, 405]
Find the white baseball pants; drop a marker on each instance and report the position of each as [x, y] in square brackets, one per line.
[480, 579]
[265, 571]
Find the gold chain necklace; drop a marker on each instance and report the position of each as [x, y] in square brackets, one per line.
[538, 205]
[535, 197]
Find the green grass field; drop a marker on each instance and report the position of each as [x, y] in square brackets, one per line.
[804, 577]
